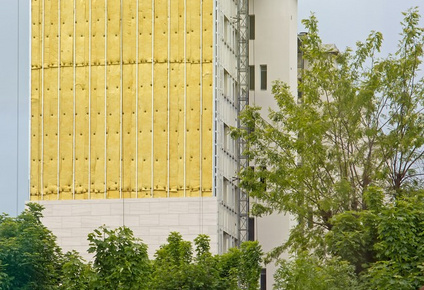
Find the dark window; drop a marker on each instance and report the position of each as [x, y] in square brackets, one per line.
[251, 77]
[251, 229]
[262, 179]
[263, 77]
[252, 27]
[263, 279]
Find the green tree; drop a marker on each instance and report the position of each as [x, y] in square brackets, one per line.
[4, 278]
[250, 265]
[171, 264]
[349, 149]
[385, 243]
[306, 271]
[30, 259]
[120, 260]
[29, 255]
[176, 268]
[77, 274]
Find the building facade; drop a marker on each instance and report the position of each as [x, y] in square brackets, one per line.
[132, 102]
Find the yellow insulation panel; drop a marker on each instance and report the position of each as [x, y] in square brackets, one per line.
[129, 132]
[35, 159]
[160, 130]
[81, 128]
[207, 114]
[50, 134]
[66, 152]
[113, 129]
[176, 126]
[36, 117]
[66, 32]
[98, 32]
[145, 129]
[126, 110]
[98, 129]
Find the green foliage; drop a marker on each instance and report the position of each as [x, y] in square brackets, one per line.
[76, 273]
[172, 263]
[307, 271]
[345, 157]
[120, 259]
[4, 278]
[399, 247]
[250, 265]
[175, 267]
[30, 259]
[228, 268]
[29, 256]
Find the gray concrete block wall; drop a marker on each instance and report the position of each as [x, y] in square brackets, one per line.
[150, 219]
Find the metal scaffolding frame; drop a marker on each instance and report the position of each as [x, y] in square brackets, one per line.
[243, 101]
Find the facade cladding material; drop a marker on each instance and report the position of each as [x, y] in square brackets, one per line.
[121, 99]
[131, 105]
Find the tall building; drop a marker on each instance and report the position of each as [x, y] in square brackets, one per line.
[131, 105]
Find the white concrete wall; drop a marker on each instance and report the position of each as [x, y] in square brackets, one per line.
[150, 219]
[275, 45]
[225, 98]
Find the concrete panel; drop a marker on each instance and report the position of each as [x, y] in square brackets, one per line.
[72, 221]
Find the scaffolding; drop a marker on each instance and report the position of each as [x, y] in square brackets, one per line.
[243, 101]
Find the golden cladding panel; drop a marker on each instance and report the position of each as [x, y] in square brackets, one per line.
[145, 129]
[51, 33]
[36, 21]
[129, 31]
[193, 131]
[145, 31]
[193, 31]
[35, 173]
[161, 31]
[176, 124]
[66, 32]
[207, 117]
[66, 156]
[98, 34]
[98, 129]
[207, 33]
[81, 32]
[50, 135]
[129, 133]
[81, 132]
[86, 147]
[113, 32]
[160, 130]
[113, 131]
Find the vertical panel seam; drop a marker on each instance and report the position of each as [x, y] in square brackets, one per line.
[168, 92]
[58, 98]
[89, 99]
[136, 102]
[120, 101]
[105, 104]
[185, 97]
[201, 118]
[153, 85]
[74, 103]
[42, 105]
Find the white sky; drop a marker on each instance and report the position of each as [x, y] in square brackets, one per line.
[342, 22]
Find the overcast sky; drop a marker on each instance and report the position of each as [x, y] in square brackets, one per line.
[342, 22]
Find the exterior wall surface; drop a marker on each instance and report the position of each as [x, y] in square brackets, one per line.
[121, 99]
[132, 102]
[225, 117]
[150, 219]
[274, 45]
